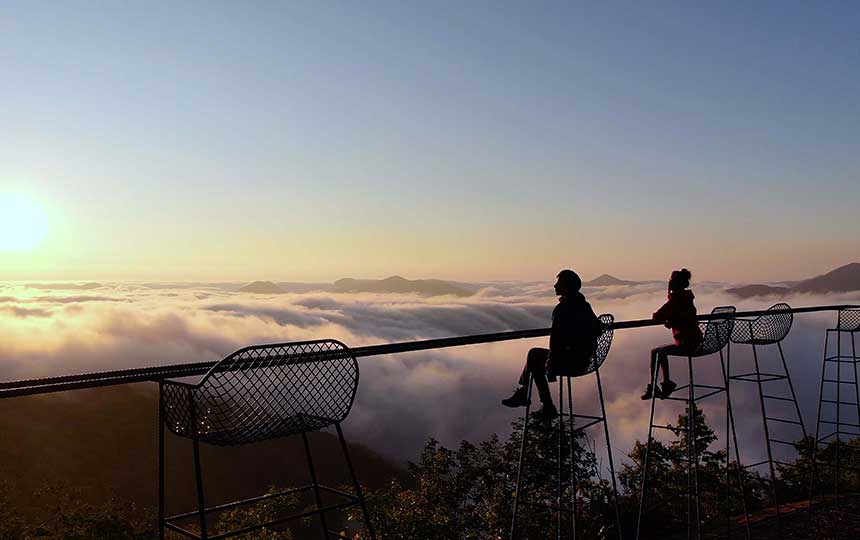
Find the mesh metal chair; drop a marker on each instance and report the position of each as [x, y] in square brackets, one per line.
[604, 343]
[835, 394]
[716, 334]
[260, 393]
[764, 330]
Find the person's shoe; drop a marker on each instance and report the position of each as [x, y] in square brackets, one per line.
[547, 412]
[519, 399]
[667, 388]
[650, 392]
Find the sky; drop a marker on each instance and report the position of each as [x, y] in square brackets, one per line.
[459, 140]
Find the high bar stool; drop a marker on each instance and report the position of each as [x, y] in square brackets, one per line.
[604, 343]
[260, 393]
[832, 394]
[763, 331]
[716, 334]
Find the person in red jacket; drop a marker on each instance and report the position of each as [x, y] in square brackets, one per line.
[572, 341]
[679, 314]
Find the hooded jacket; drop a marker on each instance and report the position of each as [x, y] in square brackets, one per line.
[573, 337]
[679, 314]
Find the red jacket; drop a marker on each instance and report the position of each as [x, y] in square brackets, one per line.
[679, 314]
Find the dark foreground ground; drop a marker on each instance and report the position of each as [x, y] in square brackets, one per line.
[825, 523]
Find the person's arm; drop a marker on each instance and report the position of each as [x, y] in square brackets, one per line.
[557, 328]
[663, 314]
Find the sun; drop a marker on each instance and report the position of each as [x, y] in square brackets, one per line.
[23, 224]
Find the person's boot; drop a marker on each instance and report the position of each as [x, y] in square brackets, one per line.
[519, 399]
[547, 412]
[669, 386]
[650, 392]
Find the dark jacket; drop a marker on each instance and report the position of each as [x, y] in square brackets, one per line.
[573, 338]
[679, 314]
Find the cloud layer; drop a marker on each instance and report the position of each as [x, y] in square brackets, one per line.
[403, 399]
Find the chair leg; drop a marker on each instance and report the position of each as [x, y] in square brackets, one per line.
[160, 463]
[791, 388]
[693, 450]
[198, 474]
[838, 473]
[647, 452]
[609, 454]
[520, 463]
[574, 486]
[814, 457]
[766, 438]
[368, 524]
[730, 421]
[559, 488]
[316, 486]
[856, 380]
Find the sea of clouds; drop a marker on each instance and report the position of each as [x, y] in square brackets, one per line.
[451, 394]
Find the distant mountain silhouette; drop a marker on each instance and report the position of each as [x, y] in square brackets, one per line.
[843, 279]
[300, 287]
[607, 280]
[65, 286]
[262, 287]
[751, 291]
[397, 284]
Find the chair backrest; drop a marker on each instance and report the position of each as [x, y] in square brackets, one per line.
[770, 328]
[716, 332]
[269, 391]
[849, 319]
[604, 343]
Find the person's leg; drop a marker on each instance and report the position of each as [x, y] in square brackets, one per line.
[663, 353]
[663, 359]
[654, 353]
[536, 364]
[651, 388]
[535, 367]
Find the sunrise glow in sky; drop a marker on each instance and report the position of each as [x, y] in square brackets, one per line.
[473, 141]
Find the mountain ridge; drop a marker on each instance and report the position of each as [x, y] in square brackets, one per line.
[399, 284]
[845, 278]
[608, 280]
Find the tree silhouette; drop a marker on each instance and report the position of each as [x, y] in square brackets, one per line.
[467, 493]
[668, 482]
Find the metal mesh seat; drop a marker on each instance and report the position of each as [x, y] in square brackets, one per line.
[264, 392]
[849, 320]
[604, 343]
[764, 329]
[258, 393]
[715, 332]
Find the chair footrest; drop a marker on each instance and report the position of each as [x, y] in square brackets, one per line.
[351, 501]
[840, 423]
[780, 398]
[842, 359]
[758, 377]
[853, 403]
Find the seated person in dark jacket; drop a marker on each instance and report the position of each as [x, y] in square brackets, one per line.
[679, 314]
[572, 341]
